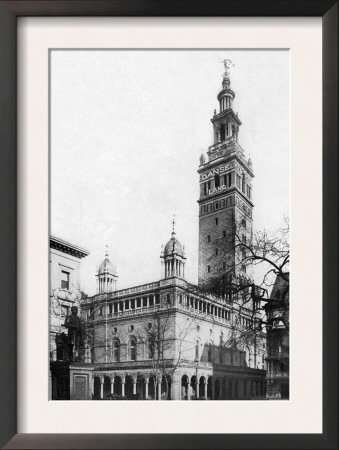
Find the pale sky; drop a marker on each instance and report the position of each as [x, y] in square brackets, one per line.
[127, 131]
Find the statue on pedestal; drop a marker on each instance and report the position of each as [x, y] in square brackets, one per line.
[74, 339]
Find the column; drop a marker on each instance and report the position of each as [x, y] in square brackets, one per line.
[134, 386]
[159, 390]
[101, 387]
[112, 384]
[197, 387]
[93, 385]
[205, 386]
[189, 391]
[146, 387]
[176, 387]
[123, 386]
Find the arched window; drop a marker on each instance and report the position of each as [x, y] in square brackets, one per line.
[151, 347]
[132, 349]
[222, 133]
[197, 350]
[209, 355]
[116, 350]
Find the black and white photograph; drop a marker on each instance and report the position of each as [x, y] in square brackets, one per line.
[169, 225]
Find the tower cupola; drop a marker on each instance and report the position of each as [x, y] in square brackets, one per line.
[226, 123]
[173, 258]
[107, 276]
[226, 95]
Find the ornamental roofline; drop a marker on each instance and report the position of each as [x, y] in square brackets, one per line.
[231, 155]
[226, 112]
[68, 248]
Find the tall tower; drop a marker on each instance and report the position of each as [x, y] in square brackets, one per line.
[225, 203]
[107, 276]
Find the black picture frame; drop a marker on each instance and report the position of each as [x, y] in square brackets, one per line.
[9, 11]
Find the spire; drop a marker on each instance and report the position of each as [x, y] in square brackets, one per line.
[173, 226]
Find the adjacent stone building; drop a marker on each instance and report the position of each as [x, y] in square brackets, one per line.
[277, 312]
[65, 262]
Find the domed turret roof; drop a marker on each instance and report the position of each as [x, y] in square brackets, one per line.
[106, 266]
[174, 246]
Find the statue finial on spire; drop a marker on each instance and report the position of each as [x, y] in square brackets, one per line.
[106, 253]
[227, 64]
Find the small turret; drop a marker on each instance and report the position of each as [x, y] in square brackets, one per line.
[107, 276]
[173, 257]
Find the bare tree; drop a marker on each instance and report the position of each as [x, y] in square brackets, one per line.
[167, 342]
[240, 252]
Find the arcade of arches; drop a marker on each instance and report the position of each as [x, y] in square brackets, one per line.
[134, 386]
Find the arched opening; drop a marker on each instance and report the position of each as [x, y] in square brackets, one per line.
[129, 387]
[217, 181]
[217, 390]
[107, 388]
[132, 349]
[140, 388]
[184, 387]
[97, 385]
[209, 389]
[202, 381]
[194, 386]
[197, 350]
[241, 390]
[117, 387]
[165, 388]
[236, 389]
[116, 350]
[224, 389]
[152, 389]
[209, 355]
[222, 133]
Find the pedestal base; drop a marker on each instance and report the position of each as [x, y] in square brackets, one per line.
[71, 381]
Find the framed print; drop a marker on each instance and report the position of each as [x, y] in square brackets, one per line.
[113, 120]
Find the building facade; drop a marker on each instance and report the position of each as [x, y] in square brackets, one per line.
[171, 339]
[65, 263]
